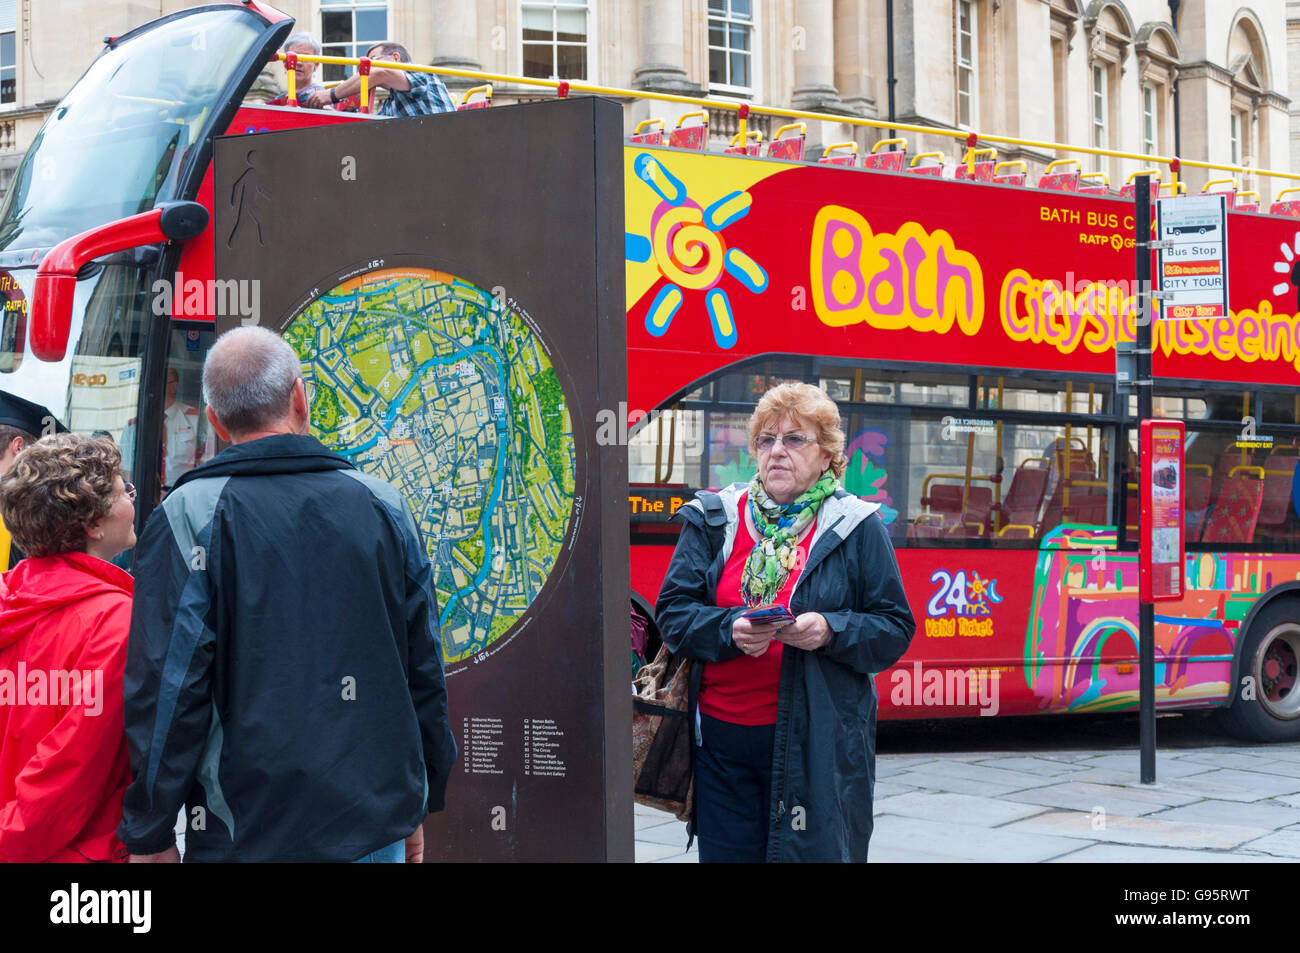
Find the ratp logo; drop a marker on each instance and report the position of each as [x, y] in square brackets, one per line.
[687, 247]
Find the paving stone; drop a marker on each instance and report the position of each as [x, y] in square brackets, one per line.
[1167, 766]
[1279, 844]
[1290, 800]
[674, 833]
[910, 840]
[891, 787]
[1238, 785]
[692, 857]
[1116, 776]
[1114, 800]
[1264, 764]
[985, 772]
[930, 779]
[888, 768]
[1258, 814]
[1137, 830]
[647, 853]
[1127, 854]
[642, 821]
[1033, 765]
[960, 808]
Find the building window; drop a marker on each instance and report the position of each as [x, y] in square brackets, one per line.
[8, 52]
[1149, 120]
[1234, 136]
[1099, 108]
[731, 47]
[555, 39]
[965, 61]
[350, 29]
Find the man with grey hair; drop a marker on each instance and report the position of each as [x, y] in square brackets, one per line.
[284, 679]
[304, 73]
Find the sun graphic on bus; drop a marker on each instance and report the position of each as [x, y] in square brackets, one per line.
[687, 247]
[1290, 267]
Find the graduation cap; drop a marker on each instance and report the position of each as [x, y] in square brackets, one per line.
[17, 412]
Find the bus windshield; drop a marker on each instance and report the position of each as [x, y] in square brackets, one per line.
[117, 142]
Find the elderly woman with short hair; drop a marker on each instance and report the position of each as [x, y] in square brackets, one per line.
[64, 616]
[786, 714]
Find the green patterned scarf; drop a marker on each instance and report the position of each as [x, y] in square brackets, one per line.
[773, 556]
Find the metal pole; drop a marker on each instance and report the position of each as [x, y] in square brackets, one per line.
[1143, 382]
[1178, 138]
[889, 59]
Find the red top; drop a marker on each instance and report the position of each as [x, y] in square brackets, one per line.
[63, 757]
[743, 691]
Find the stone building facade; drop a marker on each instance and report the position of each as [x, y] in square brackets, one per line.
[1087, 72]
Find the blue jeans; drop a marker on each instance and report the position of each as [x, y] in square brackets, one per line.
[733, 791]
[392, 854]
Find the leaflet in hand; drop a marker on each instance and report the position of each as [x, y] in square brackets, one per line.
[769, 615]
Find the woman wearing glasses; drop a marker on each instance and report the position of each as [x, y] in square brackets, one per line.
[786, 723]
[64, 616]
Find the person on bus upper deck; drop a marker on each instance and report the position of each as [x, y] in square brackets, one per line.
[409, 93]
[304, 73]
[285, 665]
[64, 613]
[786, 716]
[20, 421]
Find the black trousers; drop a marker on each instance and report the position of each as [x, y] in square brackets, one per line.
[733, 791]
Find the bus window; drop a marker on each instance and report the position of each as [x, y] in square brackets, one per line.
[1049, 396]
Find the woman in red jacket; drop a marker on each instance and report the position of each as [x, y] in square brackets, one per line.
[64, 616]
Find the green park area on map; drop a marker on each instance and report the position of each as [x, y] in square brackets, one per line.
[435, 387]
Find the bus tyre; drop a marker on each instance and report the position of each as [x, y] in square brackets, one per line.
[1267, 703]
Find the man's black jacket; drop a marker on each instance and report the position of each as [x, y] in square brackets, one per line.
[284, 678]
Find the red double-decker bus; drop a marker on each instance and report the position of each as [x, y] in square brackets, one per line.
[967, 330]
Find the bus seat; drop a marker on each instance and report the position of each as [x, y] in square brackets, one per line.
[466, 102]
[1244, 204]
[653, 134]
[934, 168]
[1098, 183]
[1025, 495]
[788, 147]
[1010, 178]
[1196, 498]
[1129, 189]
[752, 146]
[694, 137]
[979, 512]
[1279, 471]
[1230, 194]
[887, 161]
[1064, 181]
[983, 168]
[1236, 508]
[847, 154]
[1288, 207]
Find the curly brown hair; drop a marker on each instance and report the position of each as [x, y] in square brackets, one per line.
[802, 403]
[58, 487]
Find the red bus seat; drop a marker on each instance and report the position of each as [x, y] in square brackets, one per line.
[1229, 194]
[1196, 499]
[847, 158]
[1010, 178]
[651, 137]
[1025, 495]
[467, 103]
[1094, 187]
[1244, 204]
[694, 137]
[1236, 508]
[1279, 472]
[1288, 207]
[788, 147]
[983, 168]
[893, 161]
[935, 168]
[1063, 181]
[752, 146]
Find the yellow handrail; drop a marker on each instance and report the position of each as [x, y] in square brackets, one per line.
[852, 146]
[700, 114]
[1206, 187]
[1105, 180]
[969, 159]
[564, 87]
[755, 134]
[485, 89]
[648, 122]
[1278, 197]
[997, 169]
[1053, 165]
[801, 126]
[1134, 175]
[928, 155]
[889, 142]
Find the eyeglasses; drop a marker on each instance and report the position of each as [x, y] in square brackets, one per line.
[791, 441]
[129, 492]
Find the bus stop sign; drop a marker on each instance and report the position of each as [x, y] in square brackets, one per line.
[1163, 549]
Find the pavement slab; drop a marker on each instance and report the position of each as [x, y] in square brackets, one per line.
[1141, 831]
[890, 788]
[1033, 765]
[1167, 765]
[1237, 785]
[1265, 764]
[1127, 854]
[1113, 799]
[910, 839]
[1279, 844]
[673, 834]
[963, 808]
[1258, 814]
[648, 852]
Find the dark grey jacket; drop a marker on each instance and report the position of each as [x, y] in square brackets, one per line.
[284, 671]
[824, 759]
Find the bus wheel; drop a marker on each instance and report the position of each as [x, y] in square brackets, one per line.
[1268, 671]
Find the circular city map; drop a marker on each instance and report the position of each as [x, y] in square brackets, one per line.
[443, 391]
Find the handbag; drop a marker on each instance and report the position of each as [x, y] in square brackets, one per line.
[662, 736]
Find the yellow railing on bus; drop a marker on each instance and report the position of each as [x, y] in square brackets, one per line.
[563, 87]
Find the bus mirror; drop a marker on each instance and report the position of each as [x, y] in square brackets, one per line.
[182, 221]
[56, 277]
